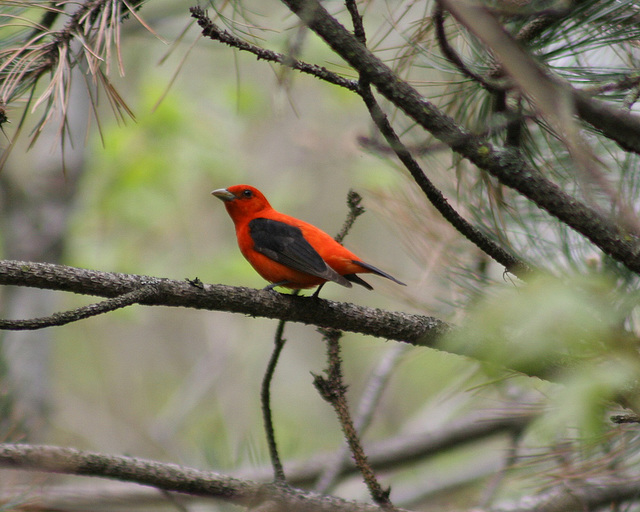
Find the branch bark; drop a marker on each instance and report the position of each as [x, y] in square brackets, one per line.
[212, 31]
[414, 329]
[171, 477]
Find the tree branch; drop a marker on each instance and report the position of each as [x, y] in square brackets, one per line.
[510, 262]
[212, 31]
[57, 319]
[333, 390]
[170, 477]
[265, 403]
[414, 329]
[589, 494]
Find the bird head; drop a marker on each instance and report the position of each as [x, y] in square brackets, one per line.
[242, 200]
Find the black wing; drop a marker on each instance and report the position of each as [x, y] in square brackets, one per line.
[285, 244]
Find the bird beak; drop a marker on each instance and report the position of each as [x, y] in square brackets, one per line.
[223, 194]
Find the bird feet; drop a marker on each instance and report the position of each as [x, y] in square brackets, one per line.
[270, 288]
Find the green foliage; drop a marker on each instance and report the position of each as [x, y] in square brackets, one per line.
[135, 192]
[567, 330]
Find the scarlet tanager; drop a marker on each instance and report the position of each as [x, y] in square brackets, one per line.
[287, 251]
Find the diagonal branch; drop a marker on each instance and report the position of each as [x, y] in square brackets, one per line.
[411, 448]
[513, 264]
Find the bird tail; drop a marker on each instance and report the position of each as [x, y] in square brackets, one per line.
[377, 271]
[354, 278]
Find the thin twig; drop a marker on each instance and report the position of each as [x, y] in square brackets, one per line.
[368, 403]
[356, 19]
[212, 31]
[333, 390]
[265, 402]
[354, 201]
[57, 319]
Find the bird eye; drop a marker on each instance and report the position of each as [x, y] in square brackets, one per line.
[247, 193]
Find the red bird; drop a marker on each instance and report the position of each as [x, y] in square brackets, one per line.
[287, 251]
